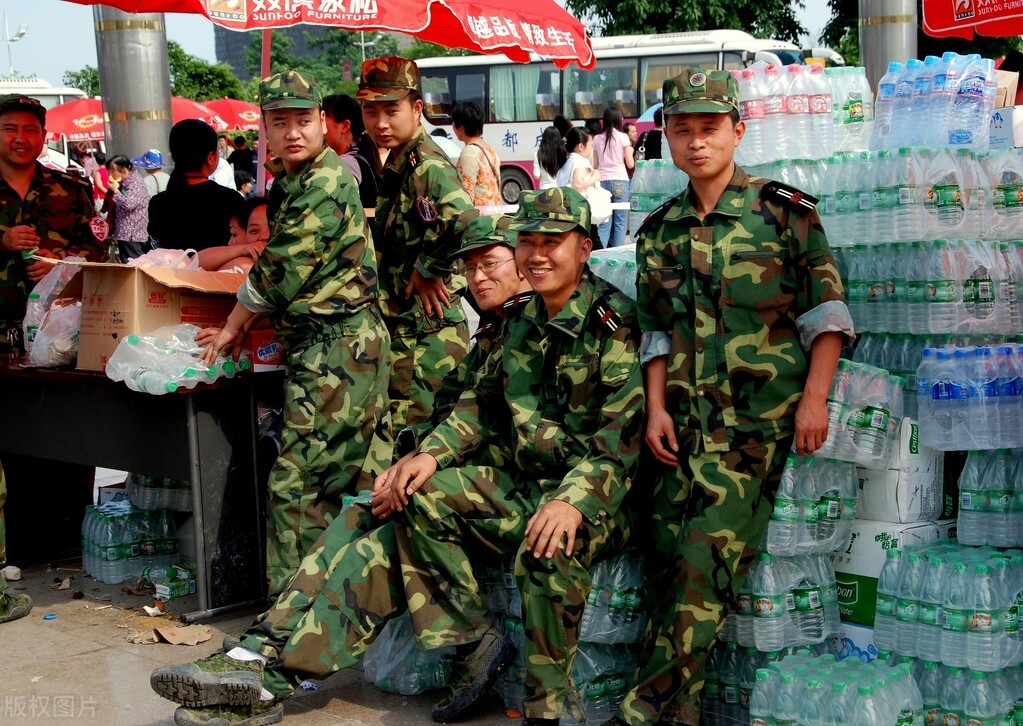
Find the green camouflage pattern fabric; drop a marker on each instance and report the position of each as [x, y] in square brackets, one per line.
[421, 214]
[316, 280]
[566, 395]
[388, 78]
[319, 267]
[729, 292]
[709, 515]
[697, 90]
[289, 89]
[59, 206]
[14, 102]
[484, 231]
[346, 589]
[552, 211]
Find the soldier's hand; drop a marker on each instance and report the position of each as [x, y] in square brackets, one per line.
[18, 238]
[660, 436]
[416, 472]
[811, 424]
[226, 339]
[37, 270]
[380, 503]
[391, 483]
[556, 519]
[431, 291]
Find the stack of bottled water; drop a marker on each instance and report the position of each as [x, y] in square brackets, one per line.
[654, 183]
[970, 398]
[818, 690]
[991, 499]
[604, 674]
[952, 604]
[944, 101]
[853, 108]
[864, 409]
[166, 360]
[120, 541]
[616, 265]
[814, 507]
[158, 492]
[396, 664]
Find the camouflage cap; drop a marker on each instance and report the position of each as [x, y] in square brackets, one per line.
[19, 102]
[289, 89]
[552, 211]
[695, 90]
[389, 78]
[484, 231]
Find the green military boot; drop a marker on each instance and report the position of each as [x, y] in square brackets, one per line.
[14, 606]
[476, 673]
[214, 681]
[265, 712]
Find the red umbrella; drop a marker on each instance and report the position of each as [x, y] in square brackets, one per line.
[82, 119]
[512, 27]
[238, 115]
[961, 18]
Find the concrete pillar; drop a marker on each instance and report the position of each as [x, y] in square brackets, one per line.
[888, 31]
[134, 78]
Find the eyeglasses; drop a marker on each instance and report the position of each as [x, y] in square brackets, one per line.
[486, 267]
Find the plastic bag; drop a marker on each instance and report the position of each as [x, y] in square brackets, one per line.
[396, 665]
[173, 259]
[43, 295]
[56, 341]
[600, 203]
[615, 610]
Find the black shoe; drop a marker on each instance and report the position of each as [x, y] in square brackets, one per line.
[476, 674]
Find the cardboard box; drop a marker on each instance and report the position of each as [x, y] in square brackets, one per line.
[1008, 82]
[266, 351]
[1007, 127]
[111, 493]
[856, 641]
[857, 568]
[121, 300]
[912, 489]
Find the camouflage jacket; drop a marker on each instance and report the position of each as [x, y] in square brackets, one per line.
[486, 337]
[735, 302]
[60, 207]
[566, 393]
[318, 269]
[421, 213]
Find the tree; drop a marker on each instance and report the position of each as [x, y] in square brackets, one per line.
[763, 18]
[426, 49]
[86, 79]
[198, 79]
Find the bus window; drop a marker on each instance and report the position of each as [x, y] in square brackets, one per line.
[525, 92]
[654, 71]
[612, 83]
[733, 61]
[445, 87]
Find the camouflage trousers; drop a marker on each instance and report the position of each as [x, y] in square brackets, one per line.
[485, 509]
[418, 364]
[709, 516]
[344, 592]
[336, 437]
[3, 530]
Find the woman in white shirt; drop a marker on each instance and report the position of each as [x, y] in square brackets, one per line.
[550, 157]
[578, 171]
[614, 161]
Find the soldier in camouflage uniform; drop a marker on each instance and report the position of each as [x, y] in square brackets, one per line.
[41, 209]
[317, 282]
[564, 393]
[349, 585]
[421, 213]
[743, 318]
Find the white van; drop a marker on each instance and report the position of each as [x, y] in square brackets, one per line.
[55, 153]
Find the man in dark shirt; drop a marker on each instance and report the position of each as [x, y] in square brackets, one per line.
[242, 158]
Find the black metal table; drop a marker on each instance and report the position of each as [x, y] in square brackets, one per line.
[206, 436]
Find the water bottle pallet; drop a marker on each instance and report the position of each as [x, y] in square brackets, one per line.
[864, 409]
[991, 499]
[120, 541]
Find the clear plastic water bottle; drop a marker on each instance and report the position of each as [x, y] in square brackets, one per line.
[728, 673]
[878, 269]
[944, 289]
[953, 640]
[908, 209]
[882, 137]
[786, 701]
[984, 408]
[869, 708]
[980, 704]
[977, 201]
[785, 529]
[1005, 175]
[907, 603]
[969, 118]
[1005, 300]
[857, 288]
[999, 485]
[775, 134]
[931, 681]
[761, 701]
[930, 611]
[934, 394]
[744, 611]
[983, 647]
[797, 113]
[972, 526]
[897, 257]
[771, 602]
[821, 113]
[943, 203]
[808, 597]
[749, 659]
[953, 696]
[751, 109]
[903, 118]
[960, 404]
[917, 297]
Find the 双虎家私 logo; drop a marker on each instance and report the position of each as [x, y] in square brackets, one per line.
[963, 9]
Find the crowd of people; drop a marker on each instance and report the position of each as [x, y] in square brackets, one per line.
[574, 423]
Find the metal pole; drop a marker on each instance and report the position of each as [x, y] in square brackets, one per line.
[887, 32]
[134, 79]
[264, 71]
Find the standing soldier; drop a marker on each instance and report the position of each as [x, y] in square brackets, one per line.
[743, 319]
[316, 280]
[564, 394]
[421, 214]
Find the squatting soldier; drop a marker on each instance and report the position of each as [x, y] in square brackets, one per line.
[349, 585]
[564, 393]
[317, 282]
[421, 213]
[41, 209]
[743, 318]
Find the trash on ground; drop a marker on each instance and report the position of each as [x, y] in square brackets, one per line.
[185, 634]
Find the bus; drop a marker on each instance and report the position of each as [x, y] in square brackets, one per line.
[56, 152]
[521, 99]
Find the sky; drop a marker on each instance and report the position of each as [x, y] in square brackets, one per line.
[60, 35]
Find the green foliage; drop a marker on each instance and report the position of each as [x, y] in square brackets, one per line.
[762, 18]
[86, 79]
[424, 49]
[198, 79]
